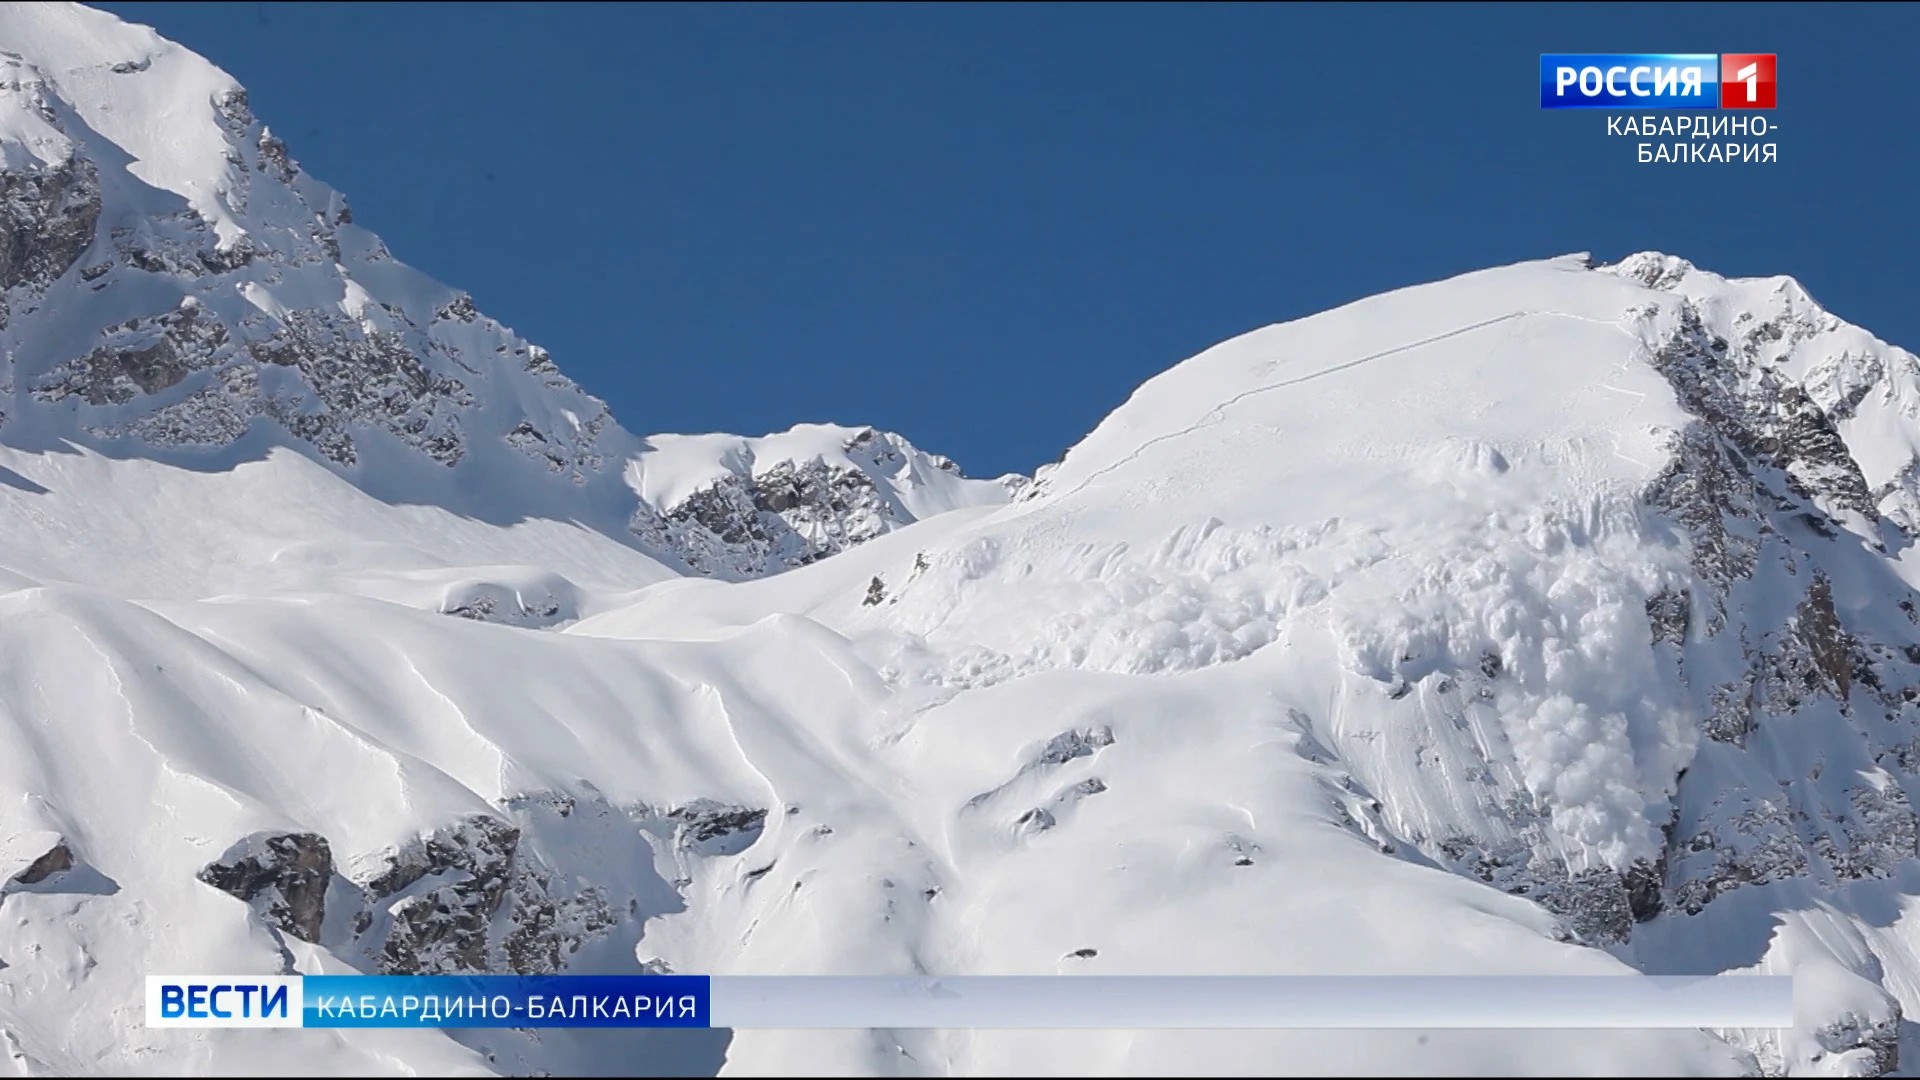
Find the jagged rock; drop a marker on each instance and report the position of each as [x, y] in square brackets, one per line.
[1756, 409]
[1880, 832]
[47, 220]
[1731, 715]
[1597, 906]
[1062, 748]
[441, 894]
[1041, 818]
[1036, 820]
[1759, 844]
[461, 308]
[273, 158]
[1761, 471]
[795, 514]
[290, 871]
[573, 455]
[370, 377]
[57, 858]
[1706, 490]
[260, 310]
[1669, 612]
[475, 897]
[140, 356]
[707, 827]
[1593, 904]
[761, 517]
[1827, 643]
[547, 928]
[1875, 1044]
[1644, 882]
[1068, 745]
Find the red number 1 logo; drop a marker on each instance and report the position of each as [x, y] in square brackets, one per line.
[1747, 80]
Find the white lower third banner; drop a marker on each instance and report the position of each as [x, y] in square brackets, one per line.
[1253, 1001]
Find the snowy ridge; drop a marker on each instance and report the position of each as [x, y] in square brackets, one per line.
[208, 281]
[174, 287]
[740, 507]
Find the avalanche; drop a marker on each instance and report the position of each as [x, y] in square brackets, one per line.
[1556, 618]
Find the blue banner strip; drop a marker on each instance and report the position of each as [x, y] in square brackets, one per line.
[978, 1001]
[515, 1001]
[1629, 80]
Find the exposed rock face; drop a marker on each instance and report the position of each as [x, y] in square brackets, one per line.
[1759, 411]
[1759, 484]
[1871, 1048]
[440, 896]
[59, 857]
[288, 873]
[141, 356]
[707, 827]
[190, 307]
[184, 303]
[47, 219]
[1765, 641]
[1767, 490]
[794, 514]
[762, 515]
[469, 898]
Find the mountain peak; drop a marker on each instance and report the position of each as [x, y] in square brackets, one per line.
[1651, 268]
[738, 507]
[174, 286]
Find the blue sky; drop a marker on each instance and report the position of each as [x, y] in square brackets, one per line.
[983, 226]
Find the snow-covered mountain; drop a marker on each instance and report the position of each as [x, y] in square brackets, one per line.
[1586, 583]
[1556, 618]
[740, 508]
[175, 288]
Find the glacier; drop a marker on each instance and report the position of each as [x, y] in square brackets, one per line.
[1557, 618]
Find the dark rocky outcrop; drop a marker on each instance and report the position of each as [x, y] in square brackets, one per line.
[441, 894]
[289, 872]
[469, 899]
[140, 356]
[1669, 613]
[47, 221]
[759, 520]
[707, 827]
[1850, 1033]
[1761, 414]
[1077, 743]
[794, 514]
[58, 858]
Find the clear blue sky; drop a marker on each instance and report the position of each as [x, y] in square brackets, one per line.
[983, 226]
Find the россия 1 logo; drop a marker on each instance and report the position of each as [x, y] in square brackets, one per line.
[1637, 84]
[1746, 80]
[1657, 80]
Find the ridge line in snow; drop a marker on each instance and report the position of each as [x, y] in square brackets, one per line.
[1219, 411]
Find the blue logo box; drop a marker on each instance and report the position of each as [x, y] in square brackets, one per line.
[1629, 80]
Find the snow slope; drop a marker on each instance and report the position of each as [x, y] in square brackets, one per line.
[1552, 618]
[1586, 598]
